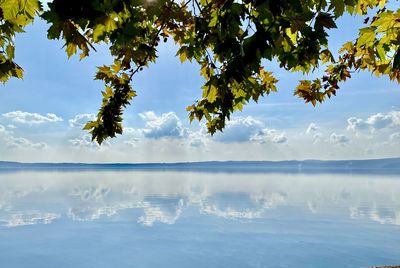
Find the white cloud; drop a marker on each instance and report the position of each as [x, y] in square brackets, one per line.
[197, 143]
[165, 125]
[200, 138]
[269, 135]
[380, 120]
[244, 129]
[2, 130]
[20, 142]
[8, 141]
[85, 141]
[317, 137]
[374, 122]
[312, 128]
[133, 131]
[81, 119]
[239, 129]
[133, 142]
[395, 136]
[32, 118]
[338, 139]
[356, 124]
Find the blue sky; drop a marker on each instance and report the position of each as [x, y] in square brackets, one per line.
[41, 116]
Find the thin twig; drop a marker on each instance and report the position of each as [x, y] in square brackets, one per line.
[153, 43]
[148, 54]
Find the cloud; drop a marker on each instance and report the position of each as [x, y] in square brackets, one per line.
[133, 142]
[374, 122]
[2, 130]
[165, 125]
[8, 140]
[200, 138]
[81, 119]
[133, 131]
[32, 118]
[312, 128]
[339, 139]
[244, 129]
[380, 120]
[269, 135]
[356, 124]
[19, 142]
[197, 143]
[239, 129]
[317, 137]
[85, 141]
[395, 136]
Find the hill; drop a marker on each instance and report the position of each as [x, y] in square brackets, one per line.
[388, 165]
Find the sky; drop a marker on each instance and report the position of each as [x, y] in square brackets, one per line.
[41, 116]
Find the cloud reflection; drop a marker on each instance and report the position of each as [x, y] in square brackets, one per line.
[30, 198]
[29, 218]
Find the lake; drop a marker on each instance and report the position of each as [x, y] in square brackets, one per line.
[198, 219]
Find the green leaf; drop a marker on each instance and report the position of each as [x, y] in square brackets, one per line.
[338, 7]
[214, 19]
[396, 60]
[10, 51]
[381, 52]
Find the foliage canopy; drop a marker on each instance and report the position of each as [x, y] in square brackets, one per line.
[229, 39]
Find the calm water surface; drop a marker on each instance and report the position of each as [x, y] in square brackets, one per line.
[189, 219]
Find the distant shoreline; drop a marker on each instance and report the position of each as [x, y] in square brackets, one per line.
[375, 166]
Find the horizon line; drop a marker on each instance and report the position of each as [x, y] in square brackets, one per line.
[207, 161]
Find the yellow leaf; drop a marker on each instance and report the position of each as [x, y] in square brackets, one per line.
[292, 35]
[212, 93]
[71, 49]
[347, 47]
[116, 66]
[366, 37]
[314, 102]
[182, 56]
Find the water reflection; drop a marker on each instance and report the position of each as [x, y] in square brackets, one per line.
[28, 198]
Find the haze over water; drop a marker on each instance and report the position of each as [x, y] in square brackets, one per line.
[198, 219]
